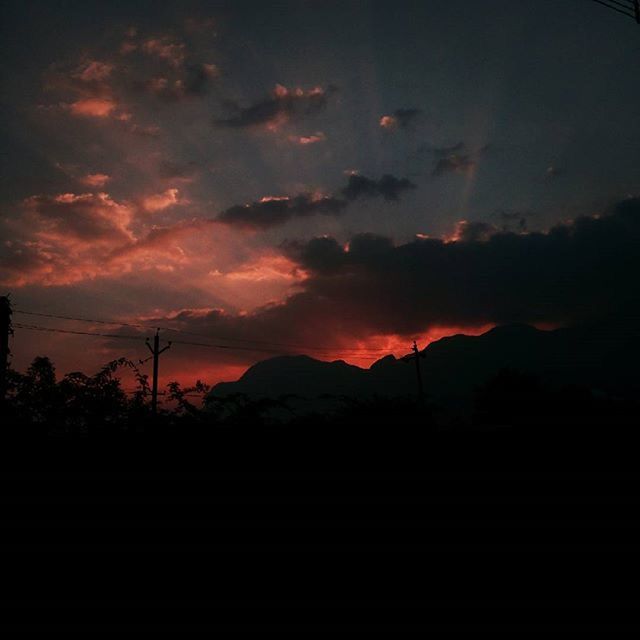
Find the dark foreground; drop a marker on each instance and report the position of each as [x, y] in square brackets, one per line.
[389, 524]
[408, 441]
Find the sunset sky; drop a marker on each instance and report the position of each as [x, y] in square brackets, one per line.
[329, 178]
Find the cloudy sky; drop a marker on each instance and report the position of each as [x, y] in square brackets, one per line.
[331, 178]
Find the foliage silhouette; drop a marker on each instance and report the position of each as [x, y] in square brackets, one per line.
[512, 411]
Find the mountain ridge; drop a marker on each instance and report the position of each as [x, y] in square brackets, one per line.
[453, 366]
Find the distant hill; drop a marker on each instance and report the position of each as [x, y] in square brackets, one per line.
[603, 356]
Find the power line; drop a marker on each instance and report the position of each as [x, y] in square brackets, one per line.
[254, 349]
[363, 351]
[18, 325]
[180, 342]
[91, 320]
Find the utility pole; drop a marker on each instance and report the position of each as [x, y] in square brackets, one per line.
[636, 9]
[155, 352]
[417, 354]
[5, 332]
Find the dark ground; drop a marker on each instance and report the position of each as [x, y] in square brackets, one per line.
[392, 527]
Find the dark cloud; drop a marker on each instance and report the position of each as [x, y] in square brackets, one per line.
[574, 272]
[318, 254]
[514, 220]
[177, 171]
[447, 151]
[282, 104]
[475, 231]
[86, 217]
[198, 78]
[454, 163]
[456, 158]
[389, 187]
[276, 210]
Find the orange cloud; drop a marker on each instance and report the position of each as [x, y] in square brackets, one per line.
[314, 138]
[65, 238]
[174, 53]
[95, 179]
[93, 107]
[94, 71]
[268, 267]
[84, 217]
[388, 122]
[160, 201]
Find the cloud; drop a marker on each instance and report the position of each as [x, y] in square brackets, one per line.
[475, 231]
[85, 89]
[400, 118]
[198, 77]
[456, 158]
[281, 106]
[195, 81]
[447, 151]
[94, 71]
[63, 238]
[265, 268]
[160, 201]
[95, 180]
[454, 163]
[86, 217]
[514, 220]
[389, 187]
[572, 273]
[93, 107]
[177, 172]
[272, 211]
[388, 122]
[164, 48]
[312, 138]
[69, 238]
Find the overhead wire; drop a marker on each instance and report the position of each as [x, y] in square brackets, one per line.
[270, 344]
[178, 342]
[19, 325]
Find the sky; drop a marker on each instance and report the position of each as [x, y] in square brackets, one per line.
[335, 178]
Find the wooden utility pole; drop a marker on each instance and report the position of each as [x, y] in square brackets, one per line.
[636, 9]
[155, 352]
[5, 332]
[417, 355]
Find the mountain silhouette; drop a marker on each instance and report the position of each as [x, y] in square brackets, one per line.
[602, 357]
